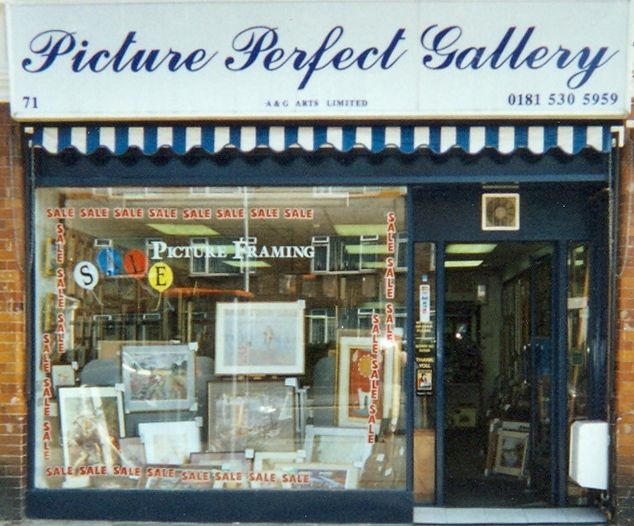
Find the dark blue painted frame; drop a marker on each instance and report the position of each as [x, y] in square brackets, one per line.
[555, 213]
[332, 168]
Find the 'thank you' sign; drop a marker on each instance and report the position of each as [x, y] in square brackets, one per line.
[330, 59]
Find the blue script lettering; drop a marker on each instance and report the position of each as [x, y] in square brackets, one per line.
[260, 43]
[50, 46]
[442, 43]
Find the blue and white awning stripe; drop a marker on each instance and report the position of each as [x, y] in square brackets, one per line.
[439, 139]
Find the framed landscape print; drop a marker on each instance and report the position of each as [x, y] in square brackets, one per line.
[158, 377]
[223, 460]
[260, 338]
[169, 442]
[360, 377]
[92, 422]
[250, 414]
[177, 478]
[268, 460]
[337, 445]
[317, 476]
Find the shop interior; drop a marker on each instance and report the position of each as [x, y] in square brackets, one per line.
[498, 371]
[244, 360]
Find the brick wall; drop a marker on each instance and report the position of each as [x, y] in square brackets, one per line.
[13, 359]
[624, 384]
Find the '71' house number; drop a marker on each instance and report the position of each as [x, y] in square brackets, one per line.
[30, 102]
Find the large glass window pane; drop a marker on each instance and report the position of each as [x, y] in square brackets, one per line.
[220, 338]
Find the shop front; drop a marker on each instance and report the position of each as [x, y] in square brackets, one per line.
[300, 300]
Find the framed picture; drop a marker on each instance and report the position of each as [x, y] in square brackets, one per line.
[111, 349]
[255, 415]
[363, 380]
[268, 460]
[158, 377]
[337, 445]
[177, 478]
[132, 452]
[169, 443]
[92, 422]
[318, 476]
[231, 469]
[510, 458]
[53, 254]
[113, 482]
[224, 460]
[62, 376]
[48, 312]
[259, 338]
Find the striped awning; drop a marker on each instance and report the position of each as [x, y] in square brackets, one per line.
[439, 139]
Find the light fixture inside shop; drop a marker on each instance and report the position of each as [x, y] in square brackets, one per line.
[367, 265]
[173, 229]
[470, 248]
[361, 230]
[255, 263]
[463, 263]
[367, 249]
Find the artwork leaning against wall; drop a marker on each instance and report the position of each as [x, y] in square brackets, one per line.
[211, 338]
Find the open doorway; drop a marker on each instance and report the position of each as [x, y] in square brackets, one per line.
[497, 344]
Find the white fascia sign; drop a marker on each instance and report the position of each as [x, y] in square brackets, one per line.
[333, 59]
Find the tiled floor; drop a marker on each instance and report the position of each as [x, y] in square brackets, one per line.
[550, 516]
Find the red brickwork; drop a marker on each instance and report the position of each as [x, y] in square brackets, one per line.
[13, 358]
[624, 384]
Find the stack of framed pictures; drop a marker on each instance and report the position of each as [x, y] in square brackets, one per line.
[148, 430]
[507, 448]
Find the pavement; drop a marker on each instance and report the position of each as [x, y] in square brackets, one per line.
[46, 522]
[432, 516]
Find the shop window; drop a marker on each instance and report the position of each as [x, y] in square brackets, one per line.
[220, 338]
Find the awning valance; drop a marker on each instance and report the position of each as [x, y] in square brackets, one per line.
[437, 138]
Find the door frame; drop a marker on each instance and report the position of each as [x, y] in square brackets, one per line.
[572, 219]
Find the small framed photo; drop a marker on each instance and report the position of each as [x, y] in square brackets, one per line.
[158, 377]
[266, 473]
[224, 460]
[337, 445]
[132, 452]
[365, 380]
[62, 376]
[114, 482]
[260, 338]
[169, 477]
[92, 423]
[318, 476]
[268, 460]
[231, 469]
[48, 312]
[53, 254]
[170, 443]
[510, 458]
[248, 414]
